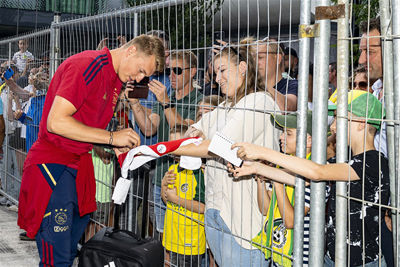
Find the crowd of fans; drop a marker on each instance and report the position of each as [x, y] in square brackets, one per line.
[248, 94]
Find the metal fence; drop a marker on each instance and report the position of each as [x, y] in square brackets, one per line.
[320, 34]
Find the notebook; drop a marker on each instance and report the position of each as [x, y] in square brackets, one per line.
[221, 146]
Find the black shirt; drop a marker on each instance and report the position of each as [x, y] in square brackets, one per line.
[287, 87]
[358, 212]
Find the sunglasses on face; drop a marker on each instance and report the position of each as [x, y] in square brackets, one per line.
[362, 85]
[176, 70]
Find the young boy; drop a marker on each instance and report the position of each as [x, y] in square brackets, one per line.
[277, 199]
[367, 171]
[183, 192]
[22, 56]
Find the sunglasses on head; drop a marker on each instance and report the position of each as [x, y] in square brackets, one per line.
[234, 50]
[176, 70]
[359, 84]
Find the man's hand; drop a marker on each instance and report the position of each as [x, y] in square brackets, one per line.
[160, 91]
[126, 138]
[130, 88]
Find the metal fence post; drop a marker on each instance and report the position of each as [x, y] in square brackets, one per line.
[341, 135]
[396, 88]
[54, 44]
[320, 123]
[131, 197]
[386, 33]
[304, 55]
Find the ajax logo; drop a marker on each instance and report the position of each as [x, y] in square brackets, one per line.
[61, 216]
[161, 148]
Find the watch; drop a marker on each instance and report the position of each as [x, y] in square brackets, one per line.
[169, 105]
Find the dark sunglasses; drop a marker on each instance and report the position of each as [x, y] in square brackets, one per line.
[363, 85]
[176, 70]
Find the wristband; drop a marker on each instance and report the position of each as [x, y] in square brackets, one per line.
[111, 138]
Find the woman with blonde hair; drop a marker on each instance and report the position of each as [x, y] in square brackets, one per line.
[232, 217]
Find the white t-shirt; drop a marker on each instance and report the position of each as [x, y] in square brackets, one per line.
[10, 125]
[20, 59]
[380, 142]
[236, 199]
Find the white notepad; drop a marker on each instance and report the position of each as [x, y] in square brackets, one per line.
[221, 146]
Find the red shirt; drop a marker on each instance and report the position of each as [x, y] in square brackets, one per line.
[89, 81]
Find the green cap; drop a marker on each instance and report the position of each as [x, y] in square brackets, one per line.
[290, 121]
[357, 105]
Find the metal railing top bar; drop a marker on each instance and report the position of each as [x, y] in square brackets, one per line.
[123, 12]
[25, 36]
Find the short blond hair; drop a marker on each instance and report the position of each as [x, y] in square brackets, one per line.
[149, 45]
[188, 58]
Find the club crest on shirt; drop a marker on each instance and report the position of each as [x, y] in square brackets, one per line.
[185, 187]
[278, 233]
[61, 217]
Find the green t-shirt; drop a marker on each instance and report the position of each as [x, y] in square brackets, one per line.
[187, 109]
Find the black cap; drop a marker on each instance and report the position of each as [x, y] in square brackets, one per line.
[290, 51]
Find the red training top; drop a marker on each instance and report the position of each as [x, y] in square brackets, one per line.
[87, 80]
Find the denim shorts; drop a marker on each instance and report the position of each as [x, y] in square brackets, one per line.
[226, 250]
[159, 209]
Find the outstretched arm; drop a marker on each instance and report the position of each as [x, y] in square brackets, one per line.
[200, 151]
[303, 167]
[261, 169]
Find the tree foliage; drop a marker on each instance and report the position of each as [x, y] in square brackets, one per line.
[187, 24]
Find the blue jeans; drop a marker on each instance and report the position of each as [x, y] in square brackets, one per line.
[226, 251]
[159, 209]
[329, 263]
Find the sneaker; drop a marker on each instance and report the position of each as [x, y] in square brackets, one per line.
[13, 208]
[24, 237]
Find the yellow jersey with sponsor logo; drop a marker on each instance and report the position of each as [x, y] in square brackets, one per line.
[274, 235]
[183, 229]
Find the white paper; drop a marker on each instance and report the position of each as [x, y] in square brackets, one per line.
[221, 146]
[121, 190]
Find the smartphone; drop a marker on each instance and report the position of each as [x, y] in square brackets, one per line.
[141, 89]
[8, 74]
[219, 35]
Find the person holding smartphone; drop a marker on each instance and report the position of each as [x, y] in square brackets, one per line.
[168, 111]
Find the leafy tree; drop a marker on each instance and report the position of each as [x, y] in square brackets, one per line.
[188, 25]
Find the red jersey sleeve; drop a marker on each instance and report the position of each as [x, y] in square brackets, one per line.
[72, 85]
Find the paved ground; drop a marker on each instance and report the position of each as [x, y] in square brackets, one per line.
[14, 252]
